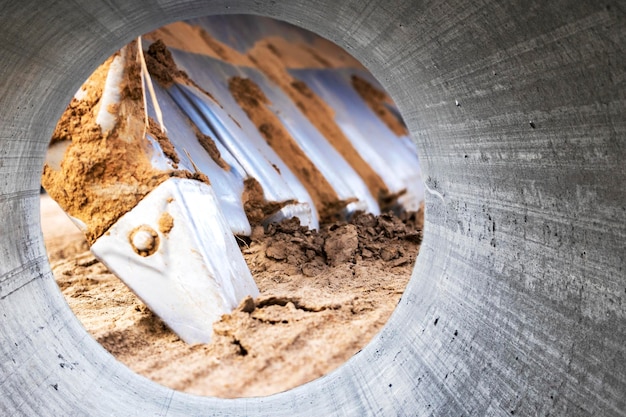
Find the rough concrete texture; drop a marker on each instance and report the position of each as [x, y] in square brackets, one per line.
[518, 300]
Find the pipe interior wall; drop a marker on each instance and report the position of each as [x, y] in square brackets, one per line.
[517, 304]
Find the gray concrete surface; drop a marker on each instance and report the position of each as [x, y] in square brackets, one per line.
[518, 301]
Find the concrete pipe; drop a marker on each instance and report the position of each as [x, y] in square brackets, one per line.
[518, 300]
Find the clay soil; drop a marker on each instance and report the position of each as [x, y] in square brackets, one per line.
[323, 297]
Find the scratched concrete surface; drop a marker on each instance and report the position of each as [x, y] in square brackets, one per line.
[518, 301]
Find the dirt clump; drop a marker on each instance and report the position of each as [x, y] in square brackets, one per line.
[342, 245]
[161, 65]
[197, 175]
[211, 148]
[365, 237]
[256, 207]
[164, 70]
[164, 142]
[166, 223]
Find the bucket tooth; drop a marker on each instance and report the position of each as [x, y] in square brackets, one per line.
[393, 157]
[221, 115]
[176, 251]
[341, 176]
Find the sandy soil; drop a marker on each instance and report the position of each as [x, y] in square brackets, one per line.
[323, 296]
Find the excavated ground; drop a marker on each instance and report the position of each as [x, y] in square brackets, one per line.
[323, 297]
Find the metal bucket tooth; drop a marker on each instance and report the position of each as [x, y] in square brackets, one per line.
[393, 157]
[176, 251]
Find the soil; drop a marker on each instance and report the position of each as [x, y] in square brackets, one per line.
[163, 69]
[324, 295]
[161, 65]
[164, 142]
[166, 223]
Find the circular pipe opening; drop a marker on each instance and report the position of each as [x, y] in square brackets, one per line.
[324, 293]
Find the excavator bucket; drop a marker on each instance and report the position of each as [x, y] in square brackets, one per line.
[199, 132]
